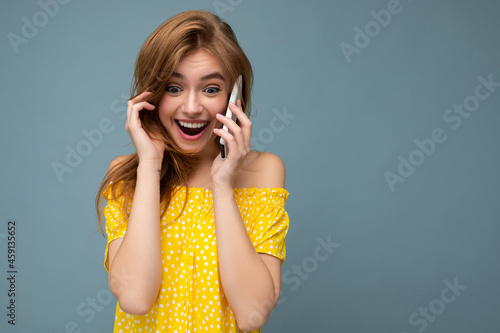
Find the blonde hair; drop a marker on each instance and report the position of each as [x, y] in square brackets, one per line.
[178, 37]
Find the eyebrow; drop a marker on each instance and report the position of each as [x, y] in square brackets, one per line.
[214, 75]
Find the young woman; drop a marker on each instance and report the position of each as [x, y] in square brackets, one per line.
[195, 242]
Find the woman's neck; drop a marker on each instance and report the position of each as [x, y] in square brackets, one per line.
[201, 174]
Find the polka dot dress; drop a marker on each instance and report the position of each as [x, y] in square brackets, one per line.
[191, 297]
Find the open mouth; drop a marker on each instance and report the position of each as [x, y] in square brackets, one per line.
[192, 128]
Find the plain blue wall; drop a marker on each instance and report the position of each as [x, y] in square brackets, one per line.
[343, 109]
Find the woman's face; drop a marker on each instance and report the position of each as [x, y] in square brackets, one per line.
[197, 91]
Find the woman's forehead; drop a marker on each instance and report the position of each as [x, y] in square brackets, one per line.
[200, 65]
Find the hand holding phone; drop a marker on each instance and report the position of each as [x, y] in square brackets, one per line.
[235, 95]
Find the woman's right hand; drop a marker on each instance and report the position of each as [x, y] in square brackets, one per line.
[147, 149]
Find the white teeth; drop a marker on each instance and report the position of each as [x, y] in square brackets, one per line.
[192, 125]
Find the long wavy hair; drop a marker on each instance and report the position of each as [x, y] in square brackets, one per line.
[178, 37]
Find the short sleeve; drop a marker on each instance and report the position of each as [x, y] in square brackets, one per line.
[116, 222]
[266, 220]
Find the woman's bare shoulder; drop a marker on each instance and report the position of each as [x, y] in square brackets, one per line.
[263, 170]
[118, 160]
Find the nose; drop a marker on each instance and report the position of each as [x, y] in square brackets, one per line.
[192, 105]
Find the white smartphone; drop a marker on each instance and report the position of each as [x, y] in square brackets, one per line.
[235, 95]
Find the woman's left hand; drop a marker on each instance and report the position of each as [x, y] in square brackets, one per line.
[224, 172]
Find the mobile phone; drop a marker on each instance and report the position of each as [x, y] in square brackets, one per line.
[235, 95]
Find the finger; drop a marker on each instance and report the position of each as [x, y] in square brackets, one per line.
[231, 125]
[240, 114]
[141, 96]
[244, 123]
[237, 149]
[225, 135]
[133, 110]
[242, 132]
[229, 139]
[241, 136]
[143, 105]
[238, 110]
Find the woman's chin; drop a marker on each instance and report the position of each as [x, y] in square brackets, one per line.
[207, 149]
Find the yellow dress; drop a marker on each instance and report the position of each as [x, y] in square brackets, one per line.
[191, 297]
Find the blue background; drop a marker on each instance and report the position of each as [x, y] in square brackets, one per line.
[350, 120]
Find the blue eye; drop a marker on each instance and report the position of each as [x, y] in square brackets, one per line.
[173, 89]
[212, 90]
